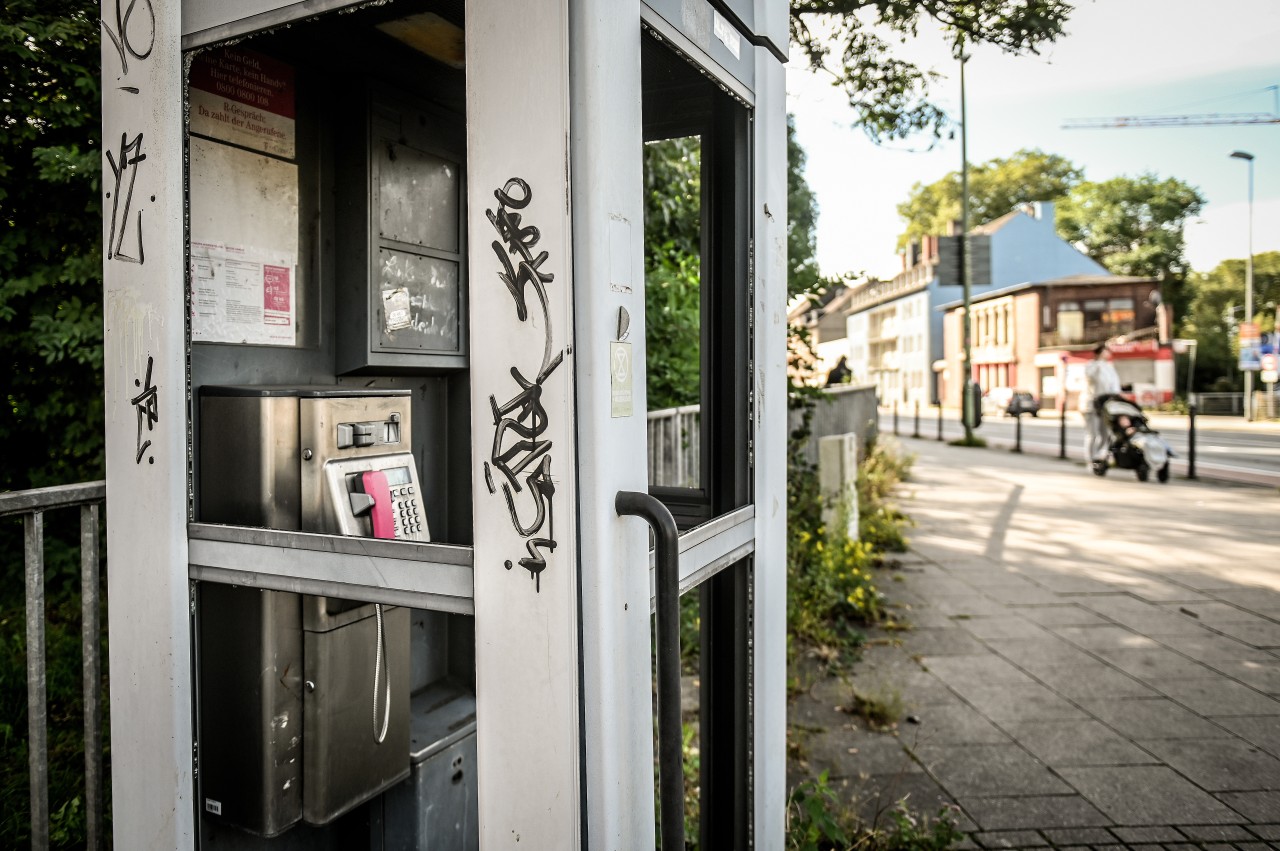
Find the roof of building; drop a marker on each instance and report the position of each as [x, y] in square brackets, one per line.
[1068, 281]
[995, 224]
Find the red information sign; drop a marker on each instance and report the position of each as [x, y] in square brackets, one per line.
[244, 97]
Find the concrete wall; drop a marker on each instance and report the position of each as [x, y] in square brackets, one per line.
[848, 409]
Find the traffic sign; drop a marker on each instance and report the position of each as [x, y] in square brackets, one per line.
[1268, 363]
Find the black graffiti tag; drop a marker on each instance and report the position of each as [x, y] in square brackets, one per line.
[124, 171]
[520, 243]
[146, 404]
[123, 36]
[521, 422]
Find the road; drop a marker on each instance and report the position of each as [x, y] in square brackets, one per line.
[1226, 447]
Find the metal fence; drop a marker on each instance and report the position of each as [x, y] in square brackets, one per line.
[31, 506]
[675, 446]
[1266, 406]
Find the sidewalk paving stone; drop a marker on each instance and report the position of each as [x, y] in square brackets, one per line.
[1076, 742]
[987, 668]
[1215, 832]
[1159, 718]
[1266, 831]
[1108, 637]
[1079, 836]
[1217, 696]
[845, 753]
[968, 770]
[1263, 731]
[1213, 612]
[1002, 627]
[1262, 674]
[1033, 811]
[1219, 765]
[1265, 634]
[1150, 663]
[952, 725]
[942, 642]
[1147, 794]
[1034, 654]
[1016, 701]
[1210, 648]
[1094, 681]
[1010, 839]
[1256, 806]
[1060, 615]
[1138, 835]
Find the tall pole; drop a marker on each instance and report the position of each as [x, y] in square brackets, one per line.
[1248, 285]
[967, 402]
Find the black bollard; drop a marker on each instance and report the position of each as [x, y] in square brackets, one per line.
[1062, 434]
[1017, 432]
[939, 419]
[895, 418]
[916, 432]
[1191, 442]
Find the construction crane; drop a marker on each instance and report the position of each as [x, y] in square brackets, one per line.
[1202, 120]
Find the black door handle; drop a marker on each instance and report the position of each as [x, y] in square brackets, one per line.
[670, 738]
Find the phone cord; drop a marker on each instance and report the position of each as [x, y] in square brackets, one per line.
[380, 662]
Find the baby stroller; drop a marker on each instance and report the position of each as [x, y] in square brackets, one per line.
[1134, 444]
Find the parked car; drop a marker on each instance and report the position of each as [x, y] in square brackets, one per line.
[1010, 402]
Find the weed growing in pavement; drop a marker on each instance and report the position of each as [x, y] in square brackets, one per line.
[881, 708]
[972, 441]
[818, 821]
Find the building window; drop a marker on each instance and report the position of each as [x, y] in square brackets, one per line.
[1119, 312]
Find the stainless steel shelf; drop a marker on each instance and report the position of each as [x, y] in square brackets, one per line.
[398, 573]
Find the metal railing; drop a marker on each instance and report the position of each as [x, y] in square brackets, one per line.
[31, 505]
[675, 446]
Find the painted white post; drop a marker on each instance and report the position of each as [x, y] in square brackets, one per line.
[523, 454]
[769, 642]
[145, 375]
[604, 65]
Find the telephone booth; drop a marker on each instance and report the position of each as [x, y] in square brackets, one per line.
[388, 568]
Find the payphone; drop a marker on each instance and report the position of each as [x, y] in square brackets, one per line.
[290, 736]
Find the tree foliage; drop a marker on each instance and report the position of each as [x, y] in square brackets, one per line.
[802, 221]
[673, 235]
[50, 255]
[1132, 225]
[852, 40]
[1216, 309]
[995, 187]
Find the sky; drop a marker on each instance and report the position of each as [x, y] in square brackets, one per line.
[1119, 57]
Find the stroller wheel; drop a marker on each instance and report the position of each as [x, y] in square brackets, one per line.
[1099, 468]
[1163, 473]
[1144, 473]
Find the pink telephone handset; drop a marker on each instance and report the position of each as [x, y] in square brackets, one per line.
[383, 512]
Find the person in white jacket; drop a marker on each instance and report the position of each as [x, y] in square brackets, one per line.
[1100, 379]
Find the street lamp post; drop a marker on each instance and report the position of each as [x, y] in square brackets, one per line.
[1248, 285]
[968, 403]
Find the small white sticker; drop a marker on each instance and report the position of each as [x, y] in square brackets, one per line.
[620, 380]
[396, 309]
[727, 34]
[213, 806]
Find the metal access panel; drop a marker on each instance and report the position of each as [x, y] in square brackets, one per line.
[402, 273]
[251, 674]
[355, 731]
